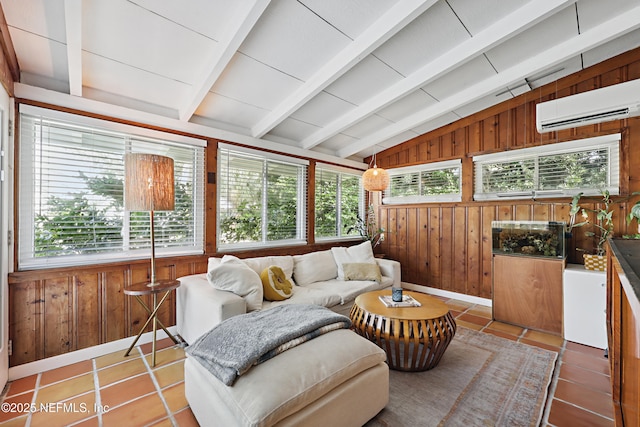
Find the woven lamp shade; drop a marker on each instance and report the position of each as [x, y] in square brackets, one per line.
[375, 179]
[148, 182]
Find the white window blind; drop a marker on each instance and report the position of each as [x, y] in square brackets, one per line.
[71, 193]
[586, 166]
[261, 199]
[339, 201]
[433, 182]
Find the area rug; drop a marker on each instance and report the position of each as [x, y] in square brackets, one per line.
[482, 380]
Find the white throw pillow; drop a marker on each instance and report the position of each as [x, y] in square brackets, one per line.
[362, 253]
[235, 276]
[258, 264]
[314, 267]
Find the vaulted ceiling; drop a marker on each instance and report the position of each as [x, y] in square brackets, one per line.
[345, 78]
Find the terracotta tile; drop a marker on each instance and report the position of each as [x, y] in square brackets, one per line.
[15, 422]
[121, 371]
[482, 311]
[143, 411]
[91, 422]
[585, 377]
[593, 351]
[122, 392]
[65, 372]
[458, 305]
[65, 389]
[167, 356]
[585, 360]
[160, 345]
[501, 334]
[586, 398]
[544, 338]
[20, 399]
[116, 357]
[67, 412]
[470, 318]
[505, 327]
[563, 414]
[455, 313]
[21, 385]
[170, 374]
[185, 418]
[163, 423]
[468, 325]
[174, 396]
[540, 344]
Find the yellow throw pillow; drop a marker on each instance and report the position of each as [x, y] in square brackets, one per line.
[275, 284]
[361, 271]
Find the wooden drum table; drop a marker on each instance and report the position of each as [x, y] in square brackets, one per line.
[414, 338]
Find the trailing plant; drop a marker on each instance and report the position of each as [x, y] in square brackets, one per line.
[603, 220]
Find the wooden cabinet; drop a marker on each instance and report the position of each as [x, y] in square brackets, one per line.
[623, 328]
[527, 292]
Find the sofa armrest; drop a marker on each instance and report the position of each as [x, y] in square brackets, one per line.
[390, 268]
[199, 306]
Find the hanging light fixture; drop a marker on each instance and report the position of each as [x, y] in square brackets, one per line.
[375, 179]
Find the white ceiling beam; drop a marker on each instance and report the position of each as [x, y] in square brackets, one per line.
[375, 35]
[238, 29]
[73, 29]
[603, 33]
[504, 29]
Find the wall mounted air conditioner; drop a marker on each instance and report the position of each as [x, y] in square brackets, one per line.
[596, 106]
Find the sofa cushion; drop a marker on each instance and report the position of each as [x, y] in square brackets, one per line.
[361, 271]
[362, 253]
[306, 295]
[314, 267]
[235, 276]
[346, 291]
[258, 264]
[275, 285]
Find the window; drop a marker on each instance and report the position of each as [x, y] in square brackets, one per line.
[71, 192]
[434, 182]
[565, 169]
[339, 202]
[261, 199]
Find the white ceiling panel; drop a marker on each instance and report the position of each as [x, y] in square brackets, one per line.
[363, 80]
[405, 106]
[226, 110]
[254, 83]
[344, 78]
[557, 28]
[149, 49]
[322, 109]
[426, 38]
[478, 15]
[130, 82]
[473, 71]
[297, 47]
[350, 17]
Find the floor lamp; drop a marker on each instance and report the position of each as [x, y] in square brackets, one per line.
[149, 186]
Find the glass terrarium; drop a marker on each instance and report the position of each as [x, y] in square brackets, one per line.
[529, 238]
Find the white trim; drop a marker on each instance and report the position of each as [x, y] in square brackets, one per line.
[426, 198]
[336, 168]
[446, 164]
[453, 295]
[263, 154]
[54, 362]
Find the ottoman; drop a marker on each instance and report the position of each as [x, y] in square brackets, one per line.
[336, 379]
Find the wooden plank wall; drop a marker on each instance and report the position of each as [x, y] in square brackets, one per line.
[448, 245]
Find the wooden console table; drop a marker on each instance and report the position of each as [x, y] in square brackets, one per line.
[414, 338]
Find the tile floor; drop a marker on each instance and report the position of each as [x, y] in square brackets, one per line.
[112, 390]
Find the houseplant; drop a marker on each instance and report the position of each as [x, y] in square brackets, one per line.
[602, 228]
[368, 228]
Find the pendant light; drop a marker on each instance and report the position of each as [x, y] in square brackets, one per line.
[375, 179]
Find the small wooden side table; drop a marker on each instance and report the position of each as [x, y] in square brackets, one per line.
[414, 338]
[142, 289]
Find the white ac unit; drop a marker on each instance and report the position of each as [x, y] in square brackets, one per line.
[595, 106]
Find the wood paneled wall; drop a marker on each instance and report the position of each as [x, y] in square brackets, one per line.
[448, 245]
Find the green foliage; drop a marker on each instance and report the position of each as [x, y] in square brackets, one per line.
[368, 228]
[603, 224]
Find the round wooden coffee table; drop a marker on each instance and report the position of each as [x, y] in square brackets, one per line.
[414, 338]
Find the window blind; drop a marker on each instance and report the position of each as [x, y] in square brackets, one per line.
[433, 182]
[339, 201]
[261, 198]
[586, 166]
[71, 194]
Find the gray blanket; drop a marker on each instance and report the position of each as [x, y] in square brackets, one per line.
[232, 347]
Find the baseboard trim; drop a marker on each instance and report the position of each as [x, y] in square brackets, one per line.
[54, 362]
[453, 295]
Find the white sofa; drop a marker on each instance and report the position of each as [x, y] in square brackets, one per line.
[316, 278]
